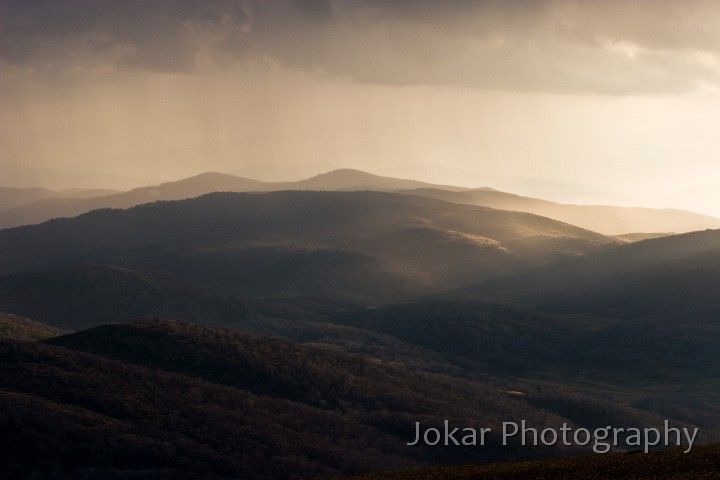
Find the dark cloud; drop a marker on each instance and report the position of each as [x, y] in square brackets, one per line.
[320, 9]
[613, 46]
[160, 34]
[560, 46]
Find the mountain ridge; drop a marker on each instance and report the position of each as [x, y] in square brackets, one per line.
[605, 219]
[385, 246]
[609, 220]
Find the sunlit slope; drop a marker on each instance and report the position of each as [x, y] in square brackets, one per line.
[350, 179]
[609, 220]
[360, 246]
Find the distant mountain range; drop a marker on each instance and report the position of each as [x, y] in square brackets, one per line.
[355, 312]
[17, 197]
[545, 188]
[608, 220]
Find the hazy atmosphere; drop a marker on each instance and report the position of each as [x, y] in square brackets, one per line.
[359, 239]
[614, 101]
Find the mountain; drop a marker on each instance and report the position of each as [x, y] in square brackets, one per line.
[472, 339]
[679, 283]
[480, 336]
[20, 328]
[663, 366]
[608, 220]
[669, 278]
[58, 206]
[79, 296]
[591, 330]
[76, 415]
[11, 198]
[636, 237]
[544, 188]
[244, 259]
[356, 246]
[349, 179]
[16, 197]
[85, 295]
[166, 399]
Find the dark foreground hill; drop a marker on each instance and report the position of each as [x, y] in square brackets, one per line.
[701, 462]
[67, 414]
[667, 367]
[161, 399]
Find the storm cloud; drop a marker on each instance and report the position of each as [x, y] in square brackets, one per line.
[616, 47]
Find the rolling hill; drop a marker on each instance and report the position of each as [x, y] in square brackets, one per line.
[51, 205]
[671, 278]
[80, 296]
[357, 246]
[20, 328]
[157, 399]
[77, 415]
[594, 331]
[254, 261]
[11, 198]
[350, 179]
[609, 220]
[59, 206]
[668, 368]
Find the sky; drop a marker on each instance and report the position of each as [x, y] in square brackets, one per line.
[619, 98]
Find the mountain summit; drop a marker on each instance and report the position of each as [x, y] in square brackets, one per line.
[351, 179]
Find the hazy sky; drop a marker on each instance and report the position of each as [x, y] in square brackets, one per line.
[619, 96]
